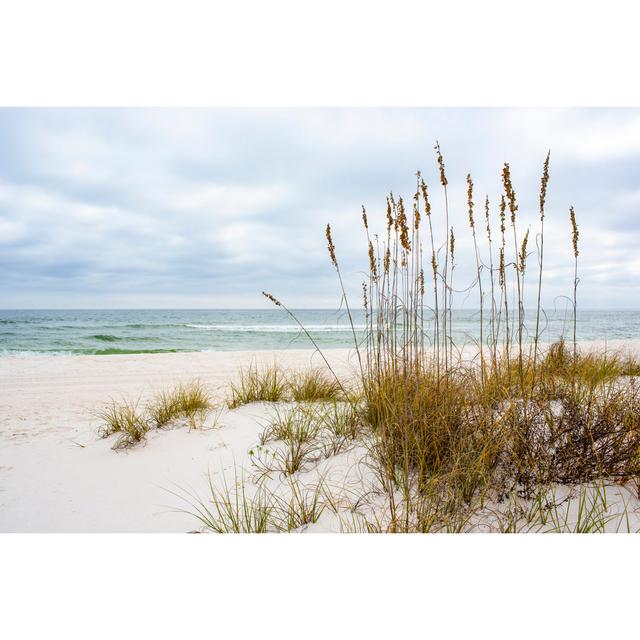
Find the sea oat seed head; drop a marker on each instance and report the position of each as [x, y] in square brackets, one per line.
[443, 177]
[389, 216]
[330, 246]
[523, 252]
[509, 191]
[543, 185]
[574, 232]
[470, 199]
[272, 298]
[425, 196]
[486, 216]
[404, 228]
[372, 262]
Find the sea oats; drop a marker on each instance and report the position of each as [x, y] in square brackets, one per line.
[372, 262]
[523, 252]
[575, 234]
[509, 191]
[425, 197]
[440, 159]
[543, 185]
[272, 298]
[470, 200]
[331, 247]
[486, 217]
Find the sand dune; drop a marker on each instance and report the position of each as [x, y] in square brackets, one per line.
[56, 474]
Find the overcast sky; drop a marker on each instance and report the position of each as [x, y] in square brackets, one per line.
[206, 208]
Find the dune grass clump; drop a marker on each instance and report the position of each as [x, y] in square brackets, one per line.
[583, 509]
[590, 368]
[290, 423]
[163, 409]
[294, 432]
[340, 419]
[272, 384]
[448, 430]
[314, 385]
[187, 400]
[304, 435]
[303, 506]
[267, 384]
[290, 456]
[124, 419]
[231, 508]
[239, 507]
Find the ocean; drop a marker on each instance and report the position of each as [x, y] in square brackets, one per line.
[122, 331]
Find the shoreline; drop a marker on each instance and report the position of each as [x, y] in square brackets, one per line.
[617, 345]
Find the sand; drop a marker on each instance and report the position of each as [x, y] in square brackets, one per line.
[57, 475]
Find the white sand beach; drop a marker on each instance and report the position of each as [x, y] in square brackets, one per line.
[58, 475]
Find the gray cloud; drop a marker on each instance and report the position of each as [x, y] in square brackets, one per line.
[207, 207]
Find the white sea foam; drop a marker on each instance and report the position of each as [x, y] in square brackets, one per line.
[273, 328]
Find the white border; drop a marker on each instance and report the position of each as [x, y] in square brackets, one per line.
[286, 53]
[317, 586]
[335, 52]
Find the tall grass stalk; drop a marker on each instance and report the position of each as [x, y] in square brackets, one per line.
[543, 198]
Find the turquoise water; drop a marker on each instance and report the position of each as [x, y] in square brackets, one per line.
[158, 331]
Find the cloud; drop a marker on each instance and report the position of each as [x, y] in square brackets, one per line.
[207, 207]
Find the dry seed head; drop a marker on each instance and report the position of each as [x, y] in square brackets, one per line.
[452, 244]
[503, 207]
[486, 217]
[421, 282]
[443, 177]
[372, 262]
[364, 295]
[364, 218]
[272, 298]
[434, 264]
[470, 199]
[508, 189]
[387, 260]
[543, 185]
[427, 204]
[501, 267]
[574, 232]
[523, 252]
[416, 215]
[404, 228]
[330, 246]
[389, 216]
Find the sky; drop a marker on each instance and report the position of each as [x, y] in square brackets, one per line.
[205, 208]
